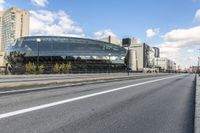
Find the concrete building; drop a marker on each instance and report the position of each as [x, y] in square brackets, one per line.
[132, 62]
[14, 23]
[165, 64]
[144, 58]
[113, 40]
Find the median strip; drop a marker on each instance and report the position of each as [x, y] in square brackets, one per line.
[18, 112]
[47, 85]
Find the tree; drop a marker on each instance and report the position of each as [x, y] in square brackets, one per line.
[41, 68]
[56, 68]
[62, 68]
[30, 68]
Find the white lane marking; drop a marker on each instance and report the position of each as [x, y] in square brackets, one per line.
[22, 111]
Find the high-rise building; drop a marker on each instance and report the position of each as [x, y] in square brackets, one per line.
[14, 23]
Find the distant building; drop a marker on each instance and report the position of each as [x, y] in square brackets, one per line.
[144, 57]
[195, 69]
[14, 23]
[165, 64]
[113, 40]
[157, 52]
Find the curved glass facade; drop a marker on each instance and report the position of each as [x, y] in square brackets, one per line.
[68, 47]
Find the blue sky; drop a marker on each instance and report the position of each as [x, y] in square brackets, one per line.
[164, 20]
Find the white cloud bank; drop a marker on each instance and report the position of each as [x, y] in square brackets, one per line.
[44, 22]
[182, 44]
[179, 44]
[150, 33]
[41, 3]
[104, 33]
[2, 2]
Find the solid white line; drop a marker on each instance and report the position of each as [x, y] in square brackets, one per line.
[22, 111]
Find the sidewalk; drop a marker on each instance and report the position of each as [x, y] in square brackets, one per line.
[197, 106]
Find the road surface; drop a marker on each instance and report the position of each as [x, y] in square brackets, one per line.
[149, 105]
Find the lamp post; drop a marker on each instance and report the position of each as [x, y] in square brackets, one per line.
[109, 62]
[38, 40]
[128, 66]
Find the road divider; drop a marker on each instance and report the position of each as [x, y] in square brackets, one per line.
[40, 107]
[19, 87]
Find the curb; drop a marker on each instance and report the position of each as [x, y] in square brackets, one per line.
[197, 106]
[72, 84]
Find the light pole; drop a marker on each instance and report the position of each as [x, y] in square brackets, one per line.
[128, 66]
[109, 62]
[38, 40]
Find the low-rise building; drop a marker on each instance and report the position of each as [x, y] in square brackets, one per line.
[165, 64]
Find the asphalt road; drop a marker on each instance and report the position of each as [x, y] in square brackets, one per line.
[150, 105]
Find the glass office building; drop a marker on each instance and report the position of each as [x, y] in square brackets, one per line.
[53, 49]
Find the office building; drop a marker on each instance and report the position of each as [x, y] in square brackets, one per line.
[14, 23]
[144, 55]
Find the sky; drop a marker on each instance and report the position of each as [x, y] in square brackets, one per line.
[171, 25]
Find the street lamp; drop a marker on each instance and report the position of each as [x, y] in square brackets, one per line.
[109, 61]
[38, 40]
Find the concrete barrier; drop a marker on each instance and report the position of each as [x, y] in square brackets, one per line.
[197, 106]
[104, 78]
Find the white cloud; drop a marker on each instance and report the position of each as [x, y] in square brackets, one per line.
[44, 22]
[41, 3]
[180, 44]
[150, 33]
[2, 2]
[190, 50]
[104, 33]
[197, 15]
